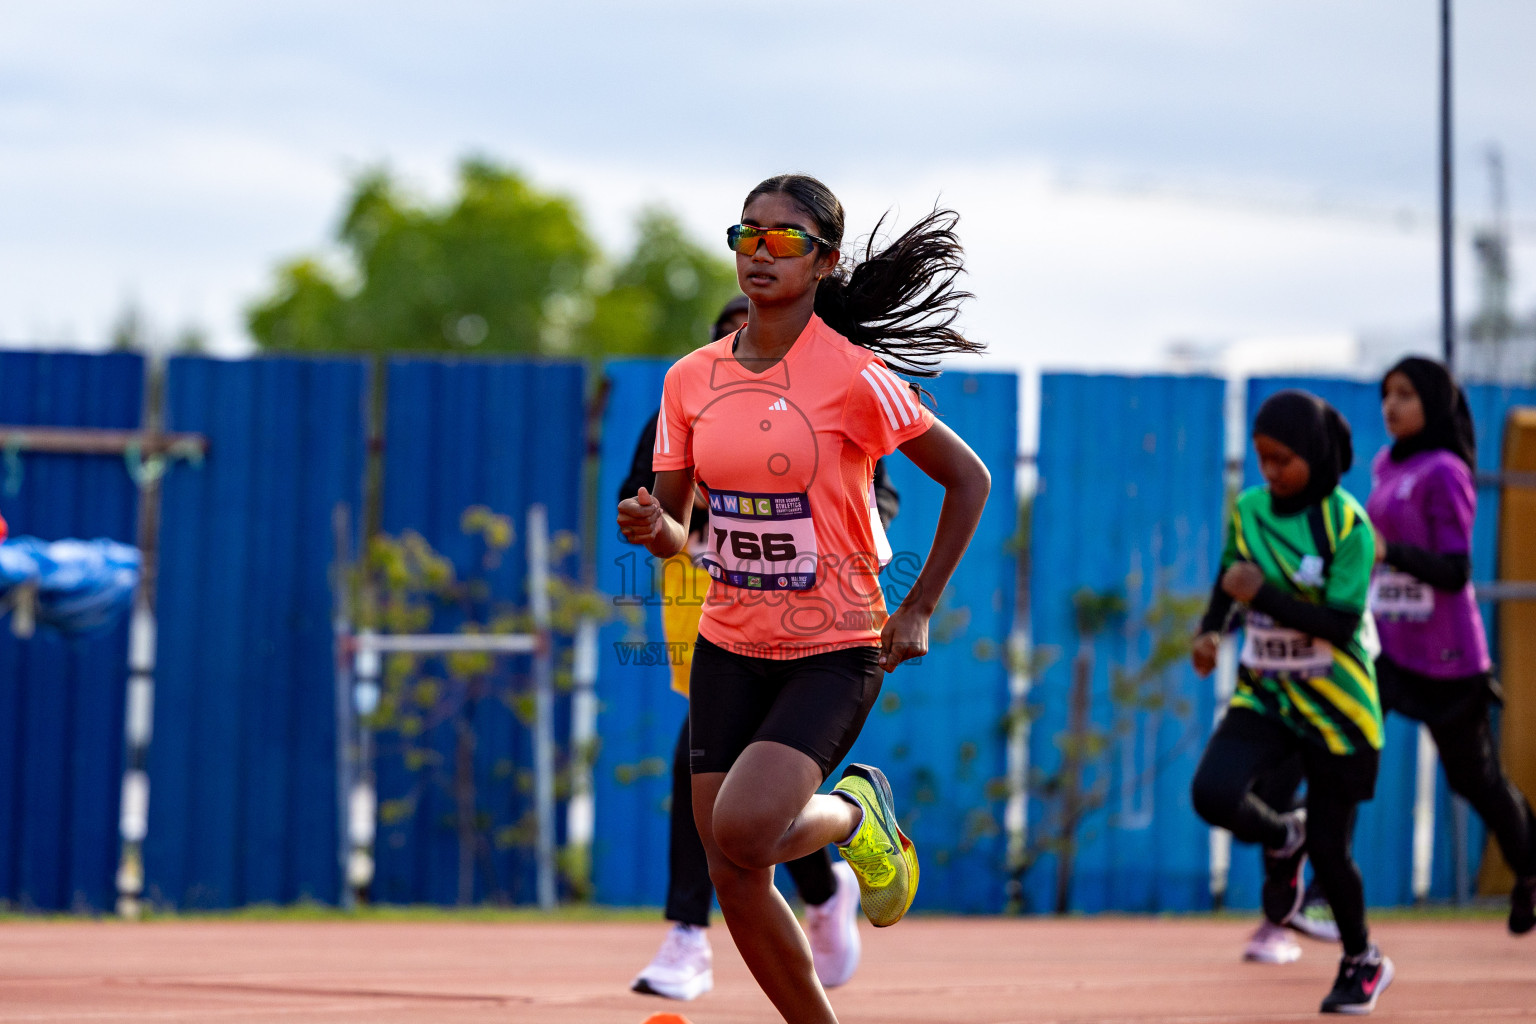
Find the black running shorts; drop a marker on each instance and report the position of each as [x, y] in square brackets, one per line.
[816, 704]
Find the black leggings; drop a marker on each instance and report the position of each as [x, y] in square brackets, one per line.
[1248, 746]
[689, 891]
[1278, 786]
[1456, 711]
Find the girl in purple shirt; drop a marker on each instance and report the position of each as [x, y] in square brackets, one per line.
[1434, 665]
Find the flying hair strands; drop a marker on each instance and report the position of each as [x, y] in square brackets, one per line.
[900, 302]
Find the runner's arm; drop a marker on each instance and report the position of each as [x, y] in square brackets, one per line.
[1336, 625]
[949, 461]
[1215, 618]
[660, 520]
[1218, 618]
[1443, 572]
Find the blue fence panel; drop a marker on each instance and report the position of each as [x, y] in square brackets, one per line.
[1129, 502]
[639, 715]
[503, 435]
[61, 698]
[937, 730]
[1490, 405]
[242, 767]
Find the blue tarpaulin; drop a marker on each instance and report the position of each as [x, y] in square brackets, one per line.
[82, 585]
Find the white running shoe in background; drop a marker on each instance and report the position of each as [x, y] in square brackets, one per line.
[1272, 944]
[683, 967]
[833, 929]
[1315, 921]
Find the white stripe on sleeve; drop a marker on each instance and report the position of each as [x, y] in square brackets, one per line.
[884, 402]
[901, 388]
[663, 438]
[884, 381]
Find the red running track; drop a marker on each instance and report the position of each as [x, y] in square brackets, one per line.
[928, 969]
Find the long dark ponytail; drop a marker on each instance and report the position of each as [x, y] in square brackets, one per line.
[902, 301]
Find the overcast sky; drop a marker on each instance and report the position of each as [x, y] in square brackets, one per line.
[1129, 172]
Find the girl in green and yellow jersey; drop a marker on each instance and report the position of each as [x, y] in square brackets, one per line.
[1297, 567]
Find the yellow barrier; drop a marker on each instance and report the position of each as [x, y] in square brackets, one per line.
[1516, 661]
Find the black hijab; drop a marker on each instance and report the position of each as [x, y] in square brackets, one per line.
[1314, 430]
[1447, 420]
[737, 305]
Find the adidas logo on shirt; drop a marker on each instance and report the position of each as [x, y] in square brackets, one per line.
[779, 406]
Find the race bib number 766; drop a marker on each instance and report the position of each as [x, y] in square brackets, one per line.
[761, 541]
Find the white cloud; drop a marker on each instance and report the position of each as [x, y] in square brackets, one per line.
[173, 154]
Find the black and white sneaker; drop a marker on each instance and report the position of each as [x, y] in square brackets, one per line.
[1522, 905]
[1361, 981]
[1283, 890]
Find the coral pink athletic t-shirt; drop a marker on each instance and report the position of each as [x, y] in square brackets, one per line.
[787, 459]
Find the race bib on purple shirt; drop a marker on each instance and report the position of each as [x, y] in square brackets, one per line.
[1398, 596]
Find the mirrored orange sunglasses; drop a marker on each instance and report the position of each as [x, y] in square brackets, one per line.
[781, 242]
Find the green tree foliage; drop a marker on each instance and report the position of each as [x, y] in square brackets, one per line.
[664, 298]
[500, 268]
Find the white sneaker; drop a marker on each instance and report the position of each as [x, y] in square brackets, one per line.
[833, 929]
[1315, 920]
[1272, 944]
[683, 967]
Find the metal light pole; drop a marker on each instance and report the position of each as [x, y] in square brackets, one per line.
[1459, 853]
[1447, 201]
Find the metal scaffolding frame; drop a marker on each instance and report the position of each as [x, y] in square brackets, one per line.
[359, 664]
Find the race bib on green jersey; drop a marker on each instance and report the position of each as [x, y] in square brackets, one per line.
[1268, 647]
[761, 541]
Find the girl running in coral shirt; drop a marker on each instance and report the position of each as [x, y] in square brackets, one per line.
[781, 423]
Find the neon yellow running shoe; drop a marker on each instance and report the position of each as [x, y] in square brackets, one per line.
[882, 857]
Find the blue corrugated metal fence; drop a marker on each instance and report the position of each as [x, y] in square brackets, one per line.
[502, 435]
[639, 715]
[1129, 504]
[938, 730]
[242, 765]
[61, 698]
